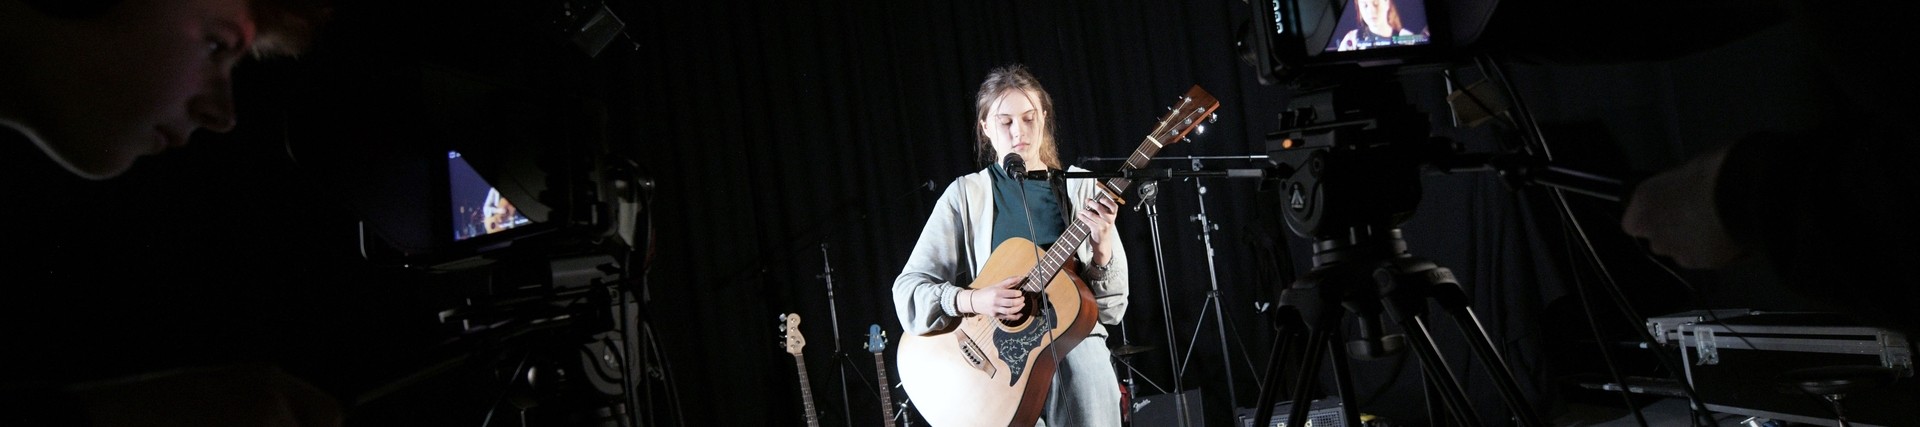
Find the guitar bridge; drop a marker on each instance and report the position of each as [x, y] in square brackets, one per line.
[970, 351]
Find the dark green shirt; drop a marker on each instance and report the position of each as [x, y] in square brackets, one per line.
[1041, 205]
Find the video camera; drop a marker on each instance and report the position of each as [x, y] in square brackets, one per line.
[1349, 147]
[488, 172]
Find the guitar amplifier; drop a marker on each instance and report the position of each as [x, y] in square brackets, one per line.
[1320, 413]
[1735, 360]
[1163, 410]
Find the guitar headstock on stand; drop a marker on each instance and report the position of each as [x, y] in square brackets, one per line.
[876, 339]
[790, 337]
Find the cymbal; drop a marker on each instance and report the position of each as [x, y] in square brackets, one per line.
[1127, 350]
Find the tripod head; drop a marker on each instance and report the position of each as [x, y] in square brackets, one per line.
[1348, 157]
[1348, 161]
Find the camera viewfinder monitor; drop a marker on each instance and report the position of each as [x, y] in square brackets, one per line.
[477, 206]
[1380, 24]
[1291, 39]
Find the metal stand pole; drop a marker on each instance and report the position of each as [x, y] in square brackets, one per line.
[1148, 201]
[833, 311]
[1213, 294]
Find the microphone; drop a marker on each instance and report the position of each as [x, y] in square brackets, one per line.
[1015, 166]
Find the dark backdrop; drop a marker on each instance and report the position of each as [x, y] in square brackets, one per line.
[787, 139]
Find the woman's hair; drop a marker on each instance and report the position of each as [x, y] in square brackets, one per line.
[1393, 17]
[284, 27]
[1013, 78]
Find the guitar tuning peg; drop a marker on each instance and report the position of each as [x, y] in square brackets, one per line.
[1215, 117]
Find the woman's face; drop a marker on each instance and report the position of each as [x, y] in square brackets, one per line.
[1374, 12]
[1015, 124]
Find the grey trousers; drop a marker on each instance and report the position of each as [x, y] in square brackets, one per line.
[1086, 392]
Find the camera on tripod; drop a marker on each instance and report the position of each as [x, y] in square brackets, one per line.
[1347, 159]
[525, 234]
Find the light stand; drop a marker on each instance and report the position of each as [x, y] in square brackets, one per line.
[1212, 302]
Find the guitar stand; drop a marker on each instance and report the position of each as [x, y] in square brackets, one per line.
[900, 415]
[1363, 275]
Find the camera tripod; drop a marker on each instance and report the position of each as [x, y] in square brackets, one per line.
[1348, 161]
[1365, 274]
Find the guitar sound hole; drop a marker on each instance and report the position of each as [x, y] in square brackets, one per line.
[1033, 307]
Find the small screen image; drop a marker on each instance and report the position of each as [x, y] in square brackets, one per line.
[1374, 24]
[478, 207]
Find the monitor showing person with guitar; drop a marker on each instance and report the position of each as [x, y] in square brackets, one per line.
[1001, 323]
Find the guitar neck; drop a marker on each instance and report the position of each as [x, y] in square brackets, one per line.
[1068, 245]
[886, 394]
[806, 391]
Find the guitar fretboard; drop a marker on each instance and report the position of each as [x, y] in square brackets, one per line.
[806, 391]
[886, 391]
[1171, 129]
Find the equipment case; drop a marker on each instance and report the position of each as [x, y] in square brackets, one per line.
[1735, 358]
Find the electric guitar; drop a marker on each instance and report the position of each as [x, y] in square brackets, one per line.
[988, 372]
[877, 343]
[790, 336]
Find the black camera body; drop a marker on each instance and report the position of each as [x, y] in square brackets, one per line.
[1350, 158]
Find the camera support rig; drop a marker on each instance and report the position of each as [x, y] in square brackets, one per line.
[1348, 160]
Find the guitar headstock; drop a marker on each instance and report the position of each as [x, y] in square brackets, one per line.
[1191, 111]
[790, 333]
[876, 338]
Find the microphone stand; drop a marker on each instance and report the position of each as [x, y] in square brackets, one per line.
[1149, 200]
[833, 311]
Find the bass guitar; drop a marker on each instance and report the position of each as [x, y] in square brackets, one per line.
[988, 372]
[877, 343]
[793, 341]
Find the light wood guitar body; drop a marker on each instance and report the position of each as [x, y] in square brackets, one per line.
[989, 373]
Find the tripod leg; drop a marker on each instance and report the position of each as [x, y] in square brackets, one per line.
[1343, 375]
[1284, 339]
[1316, 348]
[1437, 413]
[1436, 366]
[1451, 298]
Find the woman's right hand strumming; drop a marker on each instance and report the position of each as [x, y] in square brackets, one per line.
[1002, 300]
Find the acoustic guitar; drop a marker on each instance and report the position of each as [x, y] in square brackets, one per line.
[988, 372]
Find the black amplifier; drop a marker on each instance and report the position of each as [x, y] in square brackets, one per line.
[1320, 413]
[1751, 362]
